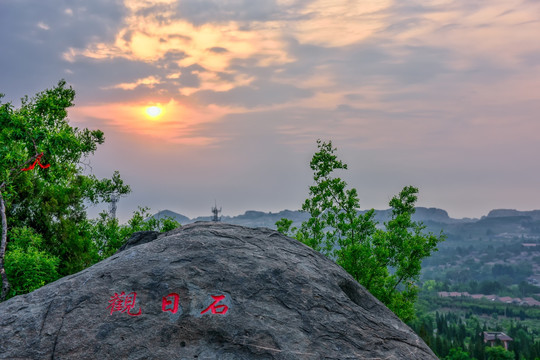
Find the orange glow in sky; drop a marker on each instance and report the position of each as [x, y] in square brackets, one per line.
[176, 120]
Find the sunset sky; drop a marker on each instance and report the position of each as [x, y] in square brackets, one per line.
[442, 95]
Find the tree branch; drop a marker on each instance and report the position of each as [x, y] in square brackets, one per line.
[3, 244]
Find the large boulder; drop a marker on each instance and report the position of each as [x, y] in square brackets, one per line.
[207, 291]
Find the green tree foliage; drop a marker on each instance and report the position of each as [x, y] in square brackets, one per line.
[284, 226]
[498, 353]
[387, 262]
[142, 220]
[457, 354]
[109, 235]
[49, 199]
[27, 264]
[463, 324]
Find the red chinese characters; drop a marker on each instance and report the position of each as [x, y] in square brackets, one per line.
[124, 303]
[216, 309]
[170, 303]
[37, 161]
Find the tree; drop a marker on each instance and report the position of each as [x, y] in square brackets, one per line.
[41, 182]
[27, 264]
[457, 354]
[499, 353]
[386, 262]
[109, 235]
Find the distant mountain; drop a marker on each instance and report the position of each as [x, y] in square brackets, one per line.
[251, 218]
[499, 223]
[534, 214]
[171, 214]
[259, 218]
[422, 214]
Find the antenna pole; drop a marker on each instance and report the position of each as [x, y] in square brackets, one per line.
[112, 207]
[216, 213]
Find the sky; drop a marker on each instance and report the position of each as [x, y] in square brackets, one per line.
[442, 95]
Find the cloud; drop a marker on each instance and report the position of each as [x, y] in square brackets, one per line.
[149, 81]
[149, 36]
[187, 57]
[200, 12]
[337, 23]
[43, 26]
[257, 94]
[30, 55]
[218, 50]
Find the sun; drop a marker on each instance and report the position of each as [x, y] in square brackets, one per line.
[153, 111]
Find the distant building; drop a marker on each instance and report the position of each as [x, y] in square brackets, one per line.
[531, 302]
[528, 301]
[492, 337]
[453, 294]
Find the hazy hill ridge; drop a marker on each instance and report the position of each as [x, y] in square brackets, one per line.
[498, 223]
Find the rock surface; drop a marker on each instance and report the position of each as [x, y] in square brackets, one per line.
[139, 238]
[273, 298]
